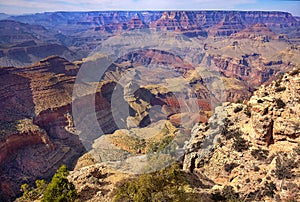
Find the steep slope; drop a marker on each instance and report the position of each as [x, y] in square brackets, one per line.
[22, 44]
[253, 147]
[230, 24]
[247, 152]
[36, 126]
[258, 30]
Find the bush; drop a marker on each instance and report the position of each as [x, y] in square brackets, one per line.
[30, 193]
[247, 112]
[229, 134]
[297, 149]
[269, 189]
[60, 189]
[284, 167]
[240, 144]
[295, 72]
[280, 104]
[238, 109]
[280, 89]
[260, 154]
[226, 194]
[165, 185]
[230, 166]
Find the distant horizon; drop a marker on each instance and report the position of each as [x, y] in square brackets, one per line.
[24, 7]
[153, 10]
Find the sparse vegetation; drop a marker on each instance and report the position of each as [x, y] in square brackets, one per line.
[260, 154]
[280, 104]
[229, 134]
[247, 112]
[295, 72]
[284, 167]
[239, 101]
[169, 184]
[297, 149]
[159, 146]
[238, 109]
[280, 89]
[278, 81]
[60, 189]
[226, 194]
[30, 193]
[131, 143]
[269, 189]
[240, 144]
[230, 166]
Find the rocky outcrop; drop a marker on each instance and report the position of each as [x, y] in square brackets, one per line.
[14, 142]
[134, 23]
[96, 182]
[145, 91]
[254, 145]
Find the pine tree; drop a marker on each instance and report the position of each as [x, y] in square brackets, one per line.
[60, 189]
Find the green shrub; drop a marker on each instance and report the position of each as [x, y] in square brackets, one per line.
[160, 146]
[165, 185]
[60, 189]
[30, 193]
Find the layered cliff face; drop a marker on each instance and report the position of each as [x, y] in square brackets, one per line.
[252, 62]
[14, 32]
[175, 84]
[236, 49]
[74, 35]
[253, 147]
[189, 20]
[36, 126]
[23, 44]
[258, 31]
[230, 24]
[246, 151]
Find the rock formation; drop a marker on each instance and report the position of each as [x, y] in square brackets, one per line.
[36, 129]
[254, 145]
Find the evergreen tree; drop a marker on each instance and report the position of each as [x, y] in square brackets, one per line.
[60, 189]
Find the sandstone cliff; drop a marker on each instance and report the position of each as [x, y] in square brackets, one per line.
[36, 126]
[189, 20]
[253, 147]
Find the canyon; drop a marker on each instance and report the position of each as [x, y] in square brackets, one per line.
[164, 73]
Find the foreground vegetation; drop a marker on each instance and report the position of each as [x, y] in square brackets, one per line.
[58, 190]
